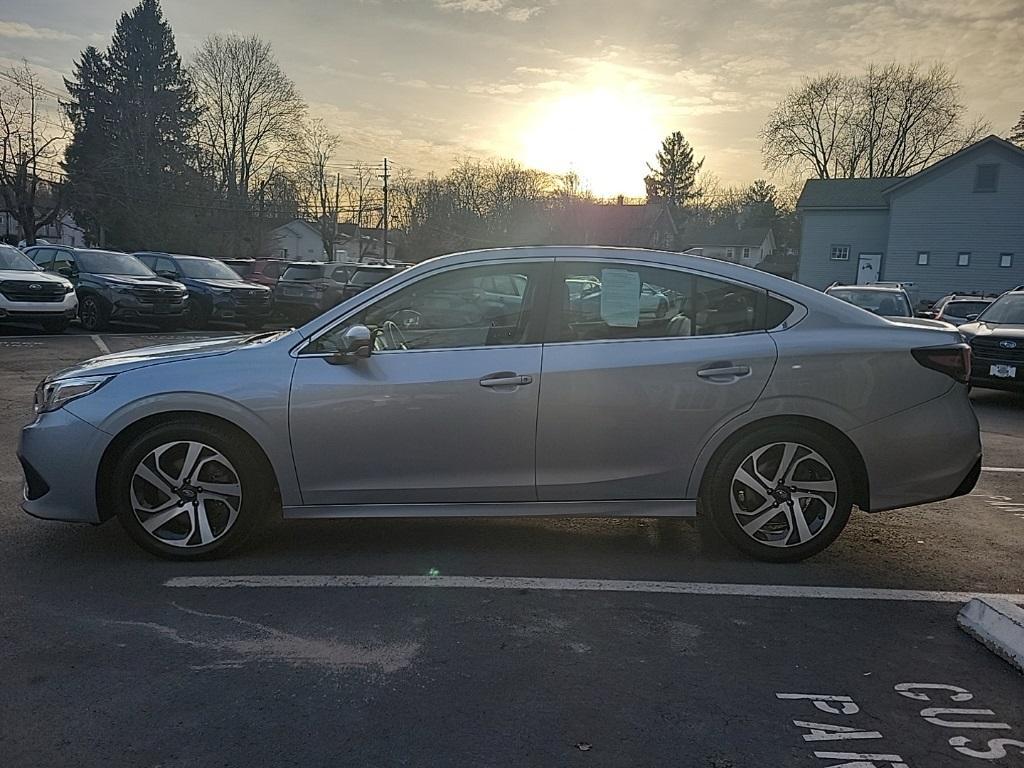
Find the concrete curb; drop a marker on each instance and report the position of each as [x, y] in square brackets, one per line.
[997, 624]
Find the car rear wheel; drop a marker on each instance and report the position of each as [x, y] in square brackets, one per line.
[92, 314]
[780, 494]
[191, 491]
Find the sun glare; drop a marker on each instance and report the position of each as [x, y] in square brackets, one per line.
[606, 135]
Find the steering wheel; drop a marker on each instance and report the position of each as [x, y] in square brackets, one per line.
[407, 318]
[392, 336]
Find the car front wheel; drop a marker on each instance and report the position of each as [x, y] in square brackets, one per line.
[780, 494]
[92, 314]
[191, 491]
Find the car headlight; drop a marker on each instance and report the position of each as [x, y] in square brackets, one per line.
[68, 288]
[51, 395]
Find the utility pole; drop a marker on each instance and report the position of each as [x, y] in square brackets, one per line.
[334, 243]
[385, 222]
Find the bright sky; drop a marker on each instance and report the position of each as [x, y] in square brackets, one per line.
[587, 85]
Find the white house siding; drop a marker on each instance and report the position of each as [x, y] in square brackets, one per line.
[297, 242]
[943, 215]
[865, 231]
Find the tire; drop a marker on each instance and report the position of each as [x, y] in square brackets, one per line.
[93, 314]
[818, 486]
[164, 512]
[56, 326]
[195, 317]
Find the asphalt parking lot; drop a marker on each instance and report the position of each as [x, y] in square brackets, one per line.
[300, 652]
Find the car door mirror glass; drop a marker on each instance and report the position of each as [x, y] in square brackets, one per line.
[354, 342]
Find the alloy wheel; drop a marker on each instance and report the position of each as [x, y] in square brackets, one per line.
[89, 314]
[783, 494]
[185, 494]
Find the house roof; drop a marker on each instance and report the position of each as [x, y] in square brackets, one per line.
[990, 140]
[846, 193]
[725, 233]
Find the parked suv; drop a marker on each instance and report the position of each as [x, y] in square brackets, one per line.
[29, 294]
[363, 276]
[215, 291]
[114, 286]
[260, 271]
[958, 309]
[308, 288]
[997, 343]
[886, 301]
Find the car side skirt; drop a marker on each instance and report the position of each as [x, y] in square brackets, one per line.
[600, 508]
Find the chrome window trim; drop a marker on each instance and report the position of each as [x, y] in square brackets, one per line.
[297, 350]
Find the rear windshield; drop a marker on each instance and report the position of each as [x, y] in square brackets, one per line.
[885, 303]
[12, 258]
[303, 272]
[110, 263]
[965, 308]
[365, 277]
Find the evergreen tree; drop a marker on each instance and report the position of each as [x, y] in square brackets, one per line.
[131, 160]
[760, 202]
[1017, 132]
[675, 176]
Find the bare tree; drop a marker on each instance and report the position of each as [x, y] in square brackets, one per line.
[252, 112]
[320, 186]
[30, 146]
[891, 121]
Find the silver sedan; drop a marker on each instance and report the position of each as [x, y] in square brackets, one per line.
[766, 406]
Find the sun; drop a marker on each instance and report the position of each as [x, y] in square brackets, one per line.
[604, 134]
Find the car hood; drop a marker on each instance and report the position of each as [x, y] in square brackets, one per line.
[1002, 330]
[32, 276]
[119, 362]
[922, 322]
[221, 284]
[137, 280]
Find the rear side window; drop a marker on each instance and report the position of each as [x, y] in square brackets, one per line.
[605, 300]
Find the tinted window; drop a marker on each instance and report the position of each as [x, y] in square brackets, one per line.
[367, 277]
[448, 311]
[41, 256]
[12, 258]
[272, 269]
[605, 300]
[148, 259]
[885, 303]
[111, 263]
[205, 269]
[1006, 309]
[964, 308]
[164, 264]
[63, 262]
[242, 268]
[303, 272]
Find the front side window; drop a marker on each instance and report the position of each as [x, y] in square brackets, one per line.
[963, 259]
[63, 263]
[43, 257]
[449, 310]
[839, 253]
[628, 301]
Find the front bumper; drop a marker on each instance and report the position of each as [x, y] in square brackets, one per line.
[230, 308]
[60, 455]
[125, 307]
[927, 453]
[39, 310]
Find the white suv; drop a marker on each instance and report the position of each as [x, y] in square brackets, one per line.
[27, 294]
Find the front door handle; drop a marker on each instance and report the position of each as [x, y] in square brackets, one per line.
[505, 379]
[724, 372]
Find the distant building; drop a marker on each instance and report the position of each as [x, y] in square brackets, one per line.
[730, 241]
[63, 231]
[298, 240]
[957, 225]
[364, 243]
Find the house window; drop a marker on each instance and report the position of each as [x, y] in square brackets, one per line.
[840, 253]
[1005, 259]
[986, 177]
[746, 253]
[730, 253]
[963, 259]
[922, 258]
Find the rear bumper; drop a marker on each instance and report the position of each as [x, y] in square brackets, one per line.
[60, 456]
[927, 453]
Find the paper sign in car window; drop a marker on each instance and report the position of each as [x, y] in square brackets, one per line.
[620, 298]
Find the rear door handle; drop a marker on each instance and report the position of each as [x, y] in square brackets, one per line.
[505, 379]
[724, 372]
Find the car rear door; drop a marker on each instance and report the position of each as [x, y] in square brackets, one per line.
[443, 411]
[630, 397]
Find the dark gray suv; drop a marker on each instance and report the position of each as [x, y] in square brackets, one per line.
[114, 286]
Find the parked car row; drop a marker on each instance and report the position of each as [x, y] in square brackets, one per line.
[53, 284]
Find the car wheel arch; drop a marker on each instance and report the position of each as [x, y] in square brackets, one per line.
[121, 441]
[861, 492]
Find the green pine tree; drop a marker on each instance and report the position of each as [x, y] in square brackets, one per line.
[674, 177]
[1017, 132]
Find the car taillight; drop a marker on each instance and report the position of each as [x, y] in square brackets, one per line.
[953, 360]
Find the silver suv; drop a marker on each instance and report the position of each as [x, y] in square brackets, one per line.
[765, 405]
[27, 294]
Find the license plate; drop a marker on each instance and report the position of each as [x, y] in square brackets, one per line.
[292, 292]
[161, 309]
[1003, 371]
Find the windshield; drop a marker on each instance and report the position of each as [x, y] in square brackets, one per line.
[965, 308]
[110, 263]
[206, 269]
[303, 272]
[1008, 309]
[12, 258]
[885, 303]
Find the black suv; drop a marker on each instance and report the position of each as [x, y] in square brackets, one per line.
[215, 291]
[308, 288]
[113, 286]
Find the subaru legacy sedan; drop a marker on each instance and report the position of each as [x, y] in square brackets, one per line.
[764, 405]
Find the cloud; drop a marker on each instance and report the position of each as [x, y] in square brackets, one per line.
[20, 30]
[511, 12]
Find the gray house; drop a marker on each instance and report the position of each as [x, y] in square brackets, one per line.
[956, 226]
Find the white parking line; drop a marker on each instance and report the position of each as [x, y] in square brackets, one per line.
[101, 344]
[1002, 469]
[580, 585]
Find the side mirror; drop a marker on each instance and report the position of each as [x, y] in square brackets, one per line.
[169, 274]
[972, 318]
[65, 271]
[356, 342]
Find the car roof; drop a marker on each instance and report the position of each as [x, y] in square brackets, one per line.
[885, 288]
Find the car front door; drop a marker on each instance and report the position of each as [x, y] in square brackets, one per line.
[445, 407]
[632, 392]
